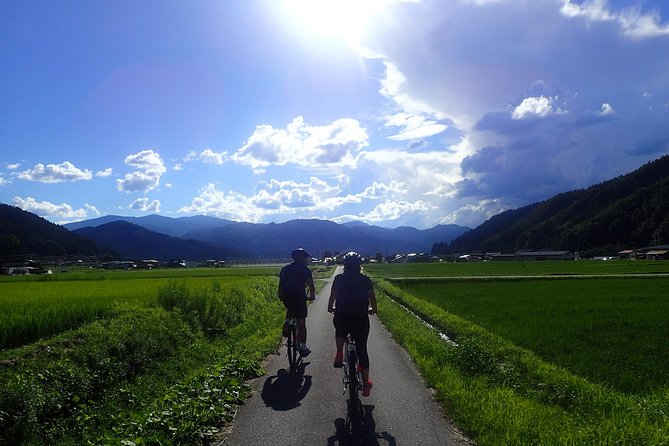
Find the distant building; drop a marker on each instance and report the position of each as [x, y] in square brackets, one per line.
[658, 254]
[397, 258]
[469, 258]
[627, 254]
[497, 256]
[544, 255]
[418, 258]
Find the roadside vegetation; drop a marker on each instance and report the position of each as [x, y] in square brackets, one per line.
[539, 361]
[142, 357]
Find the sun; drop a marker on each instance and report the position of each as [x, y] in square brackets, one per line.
[343, 19]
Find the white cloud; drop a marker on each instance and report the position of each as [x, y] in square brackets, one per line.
[416, 172]
[395, 210]
[146, 160]
[12, 166]
[290, 199]
[143, 204]
[148, 178]
[137, 182]
[271, 198]
[632, 21]
[209, 156]
[607, 109]
[327, 147]
[104, 173]
[382, 190]
[415, 119]
[291, 194]
[47, 209]
[3, 181]
[92, 209]
[55, 173]
[594, 10]
[473, 214]
[413, 127]
[231, 205]
[537, 107]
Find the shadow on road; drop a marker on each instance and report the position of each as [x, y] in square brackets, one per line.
[286, 389]
[363, 435]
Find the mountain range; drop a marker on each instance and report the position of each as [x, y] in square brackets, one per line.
[626, 212]
[201, 237]
[629, 211]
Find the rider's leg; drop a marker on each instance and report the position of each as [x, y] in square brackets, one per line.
[302, 324]
[361, 334]
[339, 322]
[339, 342]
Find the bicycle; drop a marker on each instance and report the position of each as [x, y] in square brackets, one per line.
[352, 381]
[293, 343]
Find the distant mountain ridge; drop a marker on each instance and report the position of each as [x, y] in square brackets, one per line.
[136, 242]
[176, 227]
[629, 211]
[242, 239]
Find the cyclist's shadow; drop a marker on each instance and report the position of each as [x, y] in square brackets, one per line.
[287, 388]
[363, 435]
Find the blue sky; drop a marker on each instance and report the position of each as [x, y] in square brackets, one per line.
[389, 112]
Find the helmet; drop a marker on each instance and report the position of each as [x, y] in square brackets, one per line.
[352, 258]
[299, 252]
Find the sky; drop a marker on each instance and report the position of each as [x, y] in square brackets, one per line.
[390, 112]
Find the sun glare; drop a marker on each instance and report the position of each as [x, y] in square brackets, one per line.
[345, 19]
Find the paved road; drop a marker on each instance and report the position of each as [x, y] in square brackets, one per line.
[307, 407]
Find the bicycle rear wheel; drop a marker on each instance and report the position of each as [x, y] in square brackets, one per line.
[292, 344]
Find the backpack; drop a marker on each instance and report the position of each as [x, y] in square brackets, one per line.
[292, 281]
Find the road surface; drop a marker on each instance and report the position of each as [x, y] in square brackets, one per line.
[307, 407]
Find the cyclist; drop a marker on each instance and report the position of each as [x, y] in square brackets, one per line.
[293, 279]
[352, 300]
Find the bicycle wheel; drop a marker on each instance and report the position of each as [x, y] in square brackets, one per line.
[292, 345]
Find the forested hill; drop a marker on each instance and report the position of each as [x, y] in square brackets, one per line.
[626, 212]
[24, 233]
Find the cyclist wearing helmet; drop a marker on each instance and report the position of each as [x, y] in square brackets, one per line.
[293, 279]
[352, 300]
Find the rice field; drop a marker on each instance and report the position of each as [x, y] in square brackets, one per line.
[541, 268]
[100, 353]
[545, 353]
[612, 331]
[35, 307]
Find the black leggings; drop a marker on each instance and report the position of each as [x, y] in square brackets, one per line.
[358, 326]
